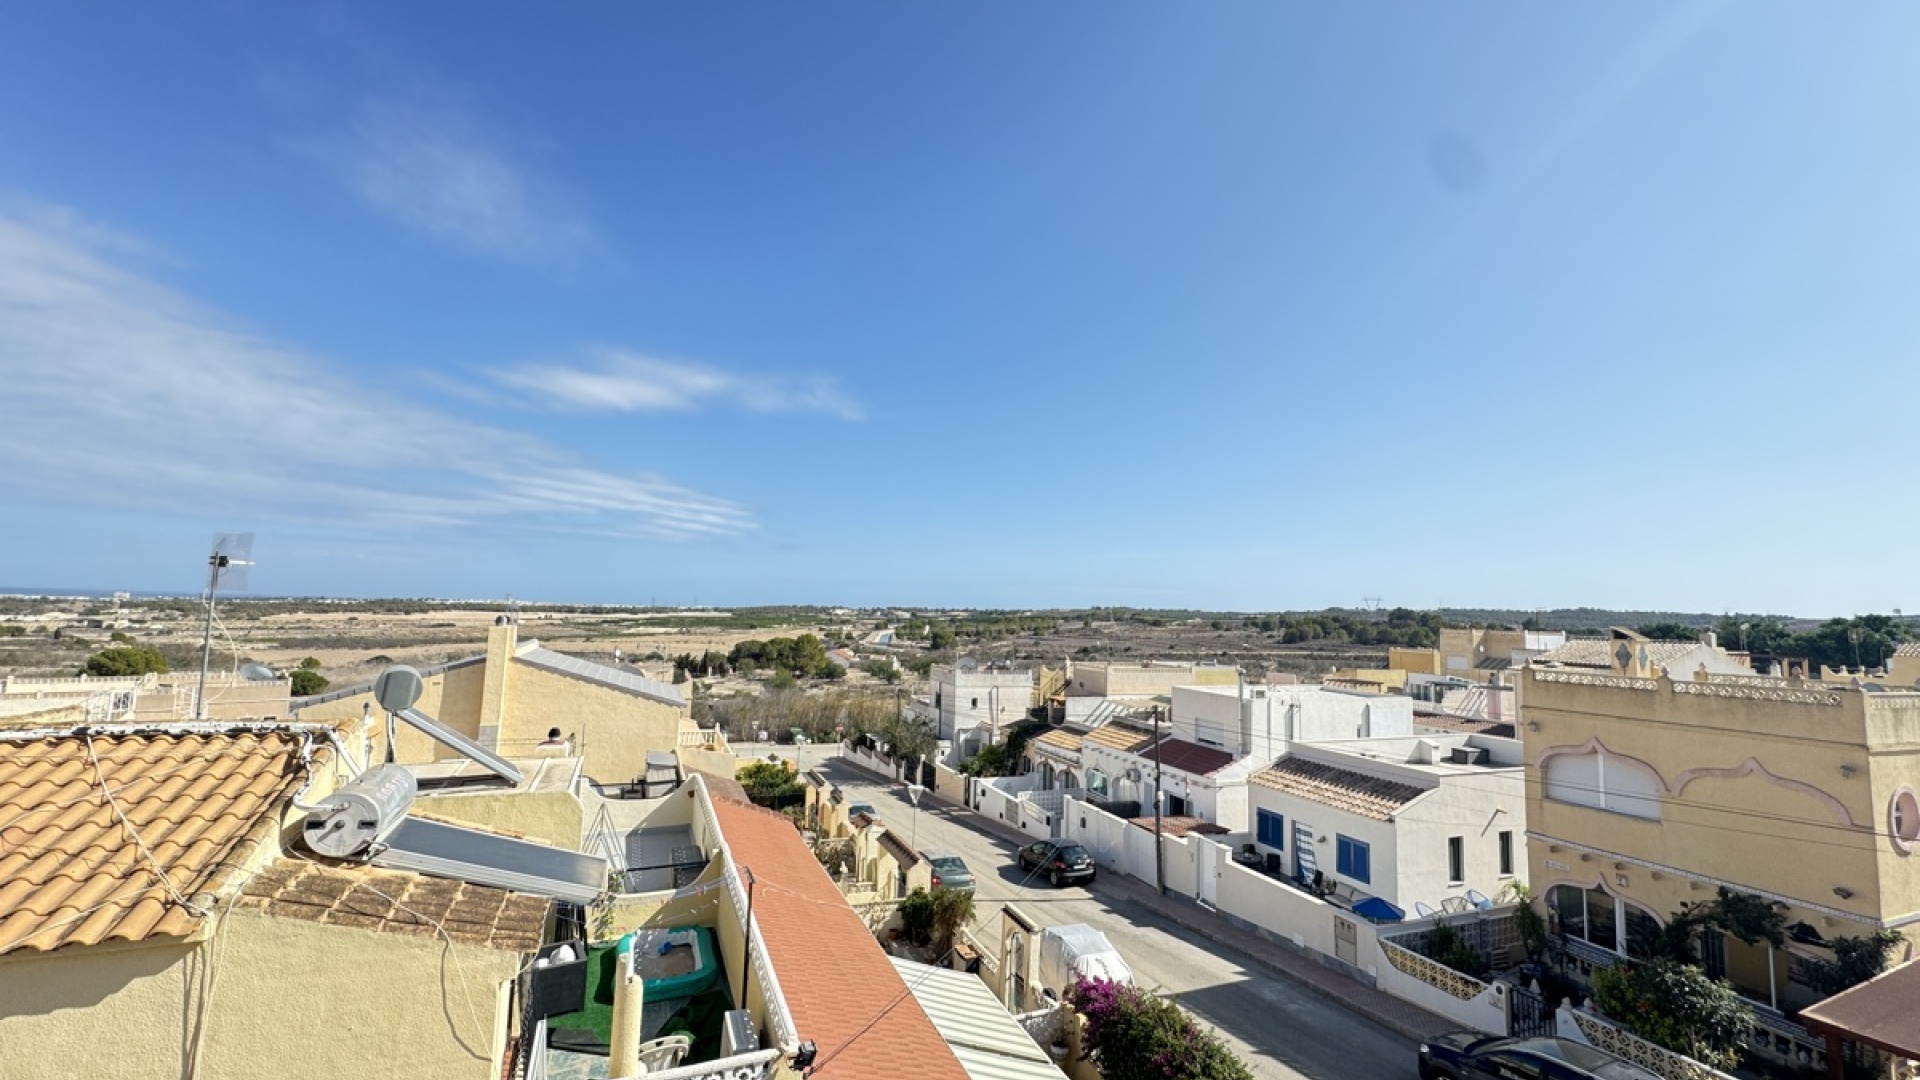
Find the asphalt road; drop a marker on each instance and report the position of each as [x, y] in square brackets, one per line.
[1282, 1029]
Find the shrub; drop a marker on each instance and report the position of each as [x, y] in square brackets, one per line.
[1446, 945]
[768, 780]
[952, 910]
[125, 661]
[1132, 1035]
[916, 917]
[307, 682]
[1675, 1006]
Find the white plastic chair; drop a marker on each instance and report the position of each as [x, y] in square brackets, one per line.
[1455, 905]
[663, 1053]
[1421, 909]
[1478, 899]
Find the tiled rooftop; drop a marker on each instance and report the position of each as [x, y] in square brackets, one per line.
[1343, 789]
[1187, 757]
[1061, 739]
[598, 674]
[1599, 652]
[1117, 737]
[842, 989]
[1182, 825]
[1910, 648]
[898, 848]
[397, 903]
[72, 866]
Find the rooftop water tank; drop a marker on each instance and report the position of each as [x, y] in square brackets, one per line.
[361, 813]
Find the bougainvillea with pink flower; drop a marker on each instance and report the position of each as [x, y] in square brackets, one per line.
[1132, 1035]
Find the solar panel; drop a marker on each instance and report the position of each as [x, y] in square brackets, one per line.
[483, 858]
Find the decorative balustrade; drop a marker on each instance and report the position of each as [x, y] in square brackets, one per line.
[754, 1066]
[1746, 692]
[1621, 1043]
[1432, 972]
[1785, 1042]
[1581, 678]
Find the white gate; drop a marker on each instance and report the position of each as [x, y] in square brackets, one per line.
[1206, 864]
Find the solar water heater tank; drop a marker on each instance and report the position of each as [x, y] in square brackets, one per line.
[361, 813]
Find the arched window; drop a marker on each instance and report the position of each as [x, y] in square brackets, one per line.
[1046, 776]
[1067, 781]
[1597, 916]
[1605, 782]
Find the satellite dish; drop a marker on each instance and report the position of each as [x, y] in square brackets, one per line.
[398, 688]
[258, 673]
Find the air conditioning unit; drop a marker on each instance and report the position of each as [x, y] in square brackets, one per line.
[1133, 776]
[737, 1035]
[1467, 755]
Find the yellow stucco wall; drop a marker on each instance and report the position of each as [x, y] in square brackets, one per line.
[451, 697]
[551, 817]
[1416, 661]
[614, 730]
[1780, 796]
[283, 998]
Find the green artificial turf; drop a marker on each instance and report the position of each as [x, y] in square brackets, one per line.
[701, 1016]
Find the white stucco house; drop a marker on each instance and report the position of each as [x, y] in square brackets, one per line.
[1413, 820]
[974, 704]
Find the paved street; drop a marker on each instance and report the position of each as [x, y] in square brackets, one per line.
[1280, 1027]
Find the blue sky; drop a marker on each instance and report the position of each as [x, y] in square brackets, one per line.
[1235, 305]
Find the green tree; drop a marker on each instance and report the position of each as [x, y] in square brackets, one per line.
[1856, 959]
[1675, 1006]
[311, 663]
[307, 682]
[952, 912]
[125, 661]
[941, 638]
[882, 669]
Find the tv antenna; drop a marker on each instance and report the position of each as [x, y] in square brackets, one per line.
[227, 566]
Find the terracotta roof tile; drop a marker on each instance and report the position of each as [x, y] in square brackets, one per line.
[845, 995]
[1599, 652]
[393, 902]
[1117, 737]
[71, 872]
[1061, 739]
[1178, 825]
[1343, 789]
[1188, 757]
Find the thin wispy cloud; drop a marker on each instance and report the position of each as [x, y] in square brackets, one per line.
[122, 393]
[425, 157]
[615, 380]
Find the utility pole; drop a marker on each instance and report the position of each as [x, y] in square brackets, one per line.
[1159, 857]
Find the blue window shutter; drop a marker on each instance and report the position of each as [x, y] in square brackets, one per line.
[1272, 829]
[1355, 860]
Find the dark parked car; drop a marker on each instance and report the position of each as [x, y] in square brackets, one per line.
[1061, 860]
[1471, 1055]
[949, 870]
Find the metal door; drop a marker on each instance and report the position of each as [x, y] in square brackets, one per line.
[1206, 861]
[1345, 941]
[1528, 1014]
